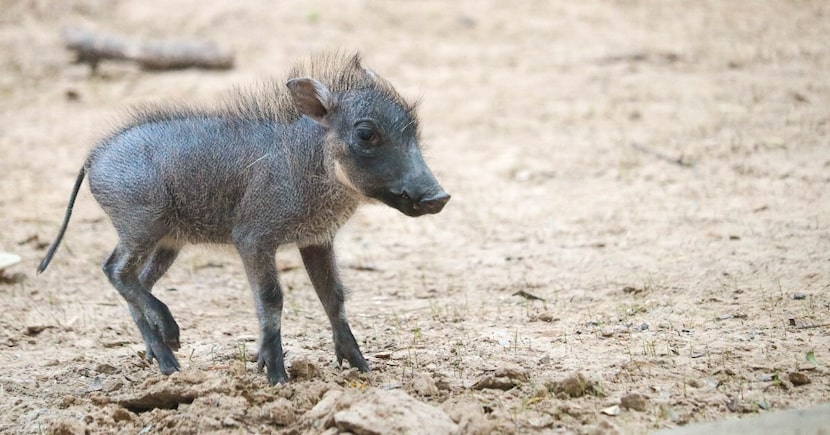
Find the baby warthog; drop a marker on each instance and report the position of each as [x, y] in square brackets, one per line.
[286, 163]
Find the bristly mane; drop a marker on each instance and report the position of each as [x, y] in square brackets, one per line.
[270, 100]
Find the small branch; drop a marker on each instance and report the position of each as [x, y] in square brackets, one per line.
[675, 160]
[812, 326]
[528, 296]
[92, 48]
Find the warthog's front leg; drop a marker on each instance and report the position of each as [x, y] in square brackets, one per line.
[261, 268]
[322, 270]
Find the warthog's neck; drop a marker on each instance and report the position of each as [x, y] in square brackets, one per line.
[329, 202]
[335, 175]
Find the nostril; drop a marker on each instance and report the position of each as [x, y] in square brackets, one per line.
[435, 203]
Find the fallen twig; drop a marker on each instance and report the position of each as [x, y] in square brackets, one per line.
[812, 326]
[92, 48]
[527, 295]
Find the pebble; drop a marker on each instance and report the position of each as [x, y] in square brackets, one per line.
[799, 379]
[634, 401]
[611, 410]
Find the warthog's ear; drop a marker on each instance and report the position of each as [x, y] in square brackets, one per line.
[312, 98]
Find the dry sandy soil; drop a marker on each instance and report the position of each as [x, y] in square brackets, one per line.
[639, 235]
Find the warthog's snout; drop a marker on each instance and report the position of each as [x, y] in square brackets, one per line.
[414, 204]
[432, 203]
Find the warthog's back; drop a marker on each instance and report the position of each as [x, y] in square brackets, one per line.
[199, 177]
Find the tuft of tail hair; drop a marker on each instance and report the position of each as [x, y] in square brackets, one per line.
[54, 246]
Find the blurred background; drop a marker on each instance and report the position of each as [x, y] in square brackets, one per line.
[626, 163]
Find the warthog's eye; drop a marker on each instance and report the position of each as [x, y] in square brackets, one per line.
[365, 134]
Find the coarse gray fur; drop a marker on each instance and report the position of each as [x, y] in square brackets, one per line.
[285, 163]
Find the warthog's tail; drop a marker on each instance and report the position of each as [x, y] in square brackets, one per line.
[54, 247]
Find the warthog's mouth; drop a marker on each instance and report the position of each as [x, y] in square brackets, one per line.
[431, 202]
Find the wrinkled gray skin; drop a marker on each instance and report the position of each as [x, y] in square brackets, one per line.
[256, 184]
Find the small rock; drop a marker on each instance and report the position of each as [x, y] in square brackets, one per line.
[502, 379]
[516, 373]
[799, 296]
[229, 422]
[799, 379]
[302, 368]
[105, 369]
[96, 385]
[98, 398]
[768, 377]
[423, 385]
[121, 414]
[493, 383]
[735, 405]
[541, 421]
[613, 410]
[546, 317]
[8, 259]
[634, 401]
[575, 385]
[33, 330]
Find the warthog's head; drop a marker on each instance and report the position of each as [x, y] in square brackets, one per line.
[373, 140]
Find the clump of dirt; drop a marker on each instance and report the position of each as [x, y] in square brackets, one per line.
[502, 379]
[575, 385]
[423, 385]
[376, 412]
[637, 402]
[303, 369]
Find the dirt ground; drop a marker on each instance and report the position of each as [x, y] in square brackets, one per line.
[639, 235]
